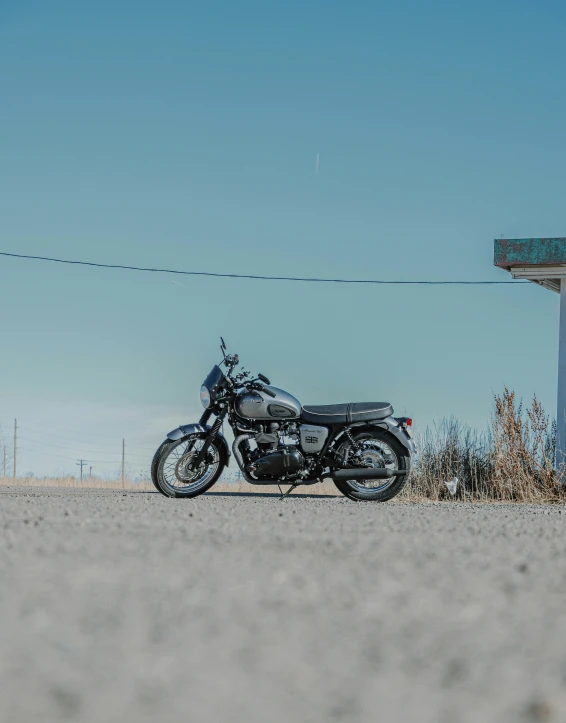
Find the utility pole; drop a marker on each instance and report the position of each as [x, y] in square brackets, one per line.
[15, 446]
[123, 460]
[90, 472]
[82, 463]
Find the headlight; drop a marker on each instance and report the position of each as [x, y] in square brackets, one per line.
[205, 397]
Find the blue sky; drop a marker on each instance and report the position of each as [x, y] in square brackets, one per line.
[185, 135]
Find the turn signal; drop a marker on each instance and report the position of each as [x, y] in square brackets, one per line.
[409, 422]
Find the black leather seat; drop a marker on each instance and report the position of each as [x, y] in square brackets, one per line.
[346, 413]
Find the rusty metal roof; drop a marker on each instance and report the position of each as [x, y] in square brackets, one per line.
[542, 260]
[530, 252]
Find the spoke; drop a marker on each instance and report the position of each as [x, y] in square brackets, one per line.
[377, 454]
[175, 469]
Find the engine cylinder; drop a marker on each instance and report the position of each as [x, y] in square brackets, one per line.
[279, 463]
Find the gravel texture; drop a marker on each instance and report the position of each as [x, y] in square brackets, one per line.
[132, 607]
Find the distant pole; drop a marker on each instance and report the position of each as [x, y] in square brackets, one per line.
[90, 472]
[81, 463]
[561, 399]
[123, 460]
[15, 446]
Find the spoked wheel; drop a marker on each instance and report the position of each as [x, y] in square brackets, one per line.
[173, 471]
[379, 450]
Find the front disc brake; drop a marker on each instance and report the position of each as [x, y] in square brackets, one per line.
[185, 473]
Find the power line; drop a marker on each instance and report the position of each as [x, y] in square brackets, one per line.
[70, 448]
[58, 456]
[72, 459]
[49, 443]
[253, 276]
[64, 439]
[48, 434]
[81, 441]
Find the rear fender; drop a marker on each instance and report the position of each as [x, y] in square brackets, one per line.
[390, 425]
[187, 429]
[394, 428]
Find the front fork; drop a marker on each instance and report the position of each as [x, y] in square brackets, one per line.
[206, 415]
[213, 431]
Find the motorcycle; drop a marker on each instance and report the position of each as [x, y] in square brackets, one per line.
[361, 447]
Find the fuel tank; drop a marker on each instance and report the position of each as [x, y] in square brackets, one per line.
[255, 405]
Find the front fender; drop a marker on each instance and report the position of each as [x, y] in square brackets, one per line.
[186, 429]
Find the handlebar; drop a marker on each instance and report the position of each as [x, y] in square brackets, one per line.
[240, 381]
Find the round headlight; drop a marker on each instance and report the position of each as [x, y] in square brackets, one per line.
[205, 397]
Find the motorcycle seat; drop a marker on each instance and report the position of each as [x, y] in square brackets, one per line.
[346, 413]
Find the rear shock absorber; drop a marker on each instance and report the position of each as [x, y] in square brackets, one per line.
[355, 446]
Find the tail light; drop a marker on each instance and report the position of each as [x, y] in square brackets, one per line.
[406, 423]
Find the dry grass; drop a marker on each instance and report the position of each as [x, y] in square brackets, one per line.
[513, 461]
[93, 483]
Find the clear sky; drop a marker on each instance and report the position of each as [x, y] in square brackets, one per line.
[185, 135]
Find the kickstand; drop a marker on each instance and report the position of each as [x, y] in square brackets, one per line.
[286, 494]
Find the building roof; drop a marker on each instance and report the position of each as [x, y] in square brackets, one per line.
[542, 260]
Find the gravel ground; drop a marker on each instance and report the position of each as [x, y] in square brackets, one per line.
[132, 607]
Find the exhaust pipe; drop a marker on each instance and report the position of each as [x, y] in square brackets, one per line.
[339, 475]
[240, 460]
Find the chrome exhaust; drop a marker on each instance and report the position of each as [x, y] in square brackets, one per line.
[339, 475]
[240, 460]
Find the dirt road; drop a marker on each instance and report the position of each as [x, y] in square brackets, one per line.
[131, 607]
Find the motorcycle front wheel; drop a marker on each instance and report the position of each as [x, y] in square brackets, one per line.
[378, 449]
[171, 470]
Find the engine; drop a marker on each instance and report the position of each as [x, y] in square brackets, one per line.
[284, 450]
[284, 462]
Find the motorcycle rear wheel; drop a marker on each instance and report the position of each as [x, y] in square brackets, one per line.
[382, 450]
[171, 473]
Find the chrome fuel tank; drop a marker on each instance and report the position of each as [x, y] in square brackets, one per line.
[255, 405]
